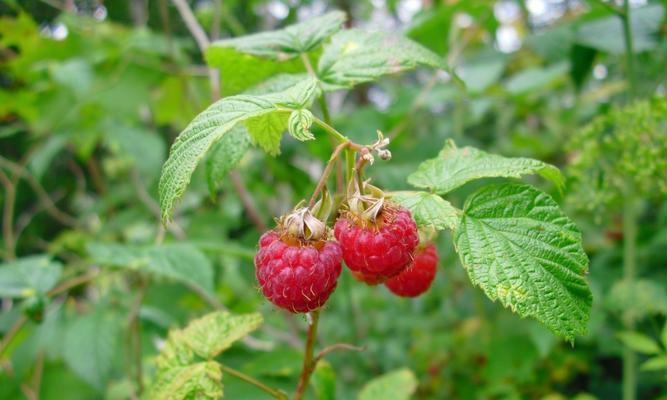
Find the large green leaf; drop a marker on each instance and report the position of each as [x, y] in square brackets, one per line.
[396, 385]
[202, 380]
[285, 43]
[180, 261]
[355, 56]
[91, 346]
[606, 33]
[29, 276]
[225, 155]
[518, 246]
[205, 338]
[454, 167]
[429, 209]
[211, 125]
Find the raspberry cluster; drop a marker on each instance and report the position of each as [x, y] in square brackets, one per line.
[298, 263]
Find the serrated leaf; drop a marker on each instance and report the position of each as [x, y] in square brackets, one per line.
[205, 338]
[454, 167]
[519, 247]
[355, 56]
[323, 381]
[29, 276]
[396, 385]
[201, 380]
[266, 131]
[91, 346]
[179, 261]
[299, 124]
[225, 155]
[429, 209]
[639, 342]
[655, 363]
[211, 125]
[285, 43]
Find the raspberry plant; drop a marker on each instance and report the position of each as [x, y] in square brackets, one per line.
[513, 240]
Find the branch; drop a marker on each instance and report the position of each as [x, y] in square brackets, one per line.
[334, 347]
[43, 196]
[277, 393]
[191, 23]
[8, 216]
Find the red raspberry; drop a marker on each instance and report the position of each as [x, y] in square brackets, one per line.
[294, 275]
[375, 251]
[418, 276]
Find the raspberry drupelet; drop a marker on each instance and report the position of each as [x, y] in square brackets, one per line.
[379, 249]
[418, 276]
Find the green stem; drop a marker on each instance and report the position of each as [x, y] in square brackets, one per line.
[325, 109]
[276, 393]
[629, 275]
[629, 50]
[308, 365]
[333, 132]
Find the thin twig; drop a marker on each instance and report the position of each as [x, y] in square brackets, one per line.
[8, 216]
[74, 282]
[277, 393]
[308, 365]
[9, 336]
[247, 200]
[327, 171]
[191, 23]
[43, 196]
[334, 347]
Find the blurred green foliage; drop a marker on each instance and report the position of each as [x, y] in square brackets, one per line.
[92, 97]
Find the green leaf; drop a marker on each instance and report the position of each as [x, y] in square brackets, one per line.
[91, 346]
[355, 56]
[267, 130]
[663, 336]
[225, 155]
[454, 167]
[637, 299]
[605, 33]
[29, 276]
[299, 124]
[519, 247]
[323, 381]
[202, 380]
[240, 71]
[429, 209]
[205, 338]
[285, 43]
[396, 385]
[639, 342]
[210, 126]
[533, 79]
[655, 363]
[179, 261]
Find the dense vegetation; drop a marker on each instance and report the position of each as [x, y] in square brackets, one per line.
[146, 146]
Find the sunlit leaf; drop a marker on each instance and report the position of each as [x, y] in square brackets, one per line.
[639, 342]
[396, 385]
[429, 209]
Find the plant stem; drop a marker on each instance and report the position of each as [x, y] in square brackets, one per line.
[308, 365]
[333, 132]
[8, 216]
[325, 109]
[327, 171]
[629, 274]
[629, 50]
[276, 393]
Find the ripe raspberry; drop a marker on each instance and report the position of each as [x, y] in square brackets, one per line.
[296, 275]
[418, 276]
[375, 251]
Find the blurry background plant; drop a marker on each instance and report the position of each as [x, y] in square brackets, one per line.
[92, 93]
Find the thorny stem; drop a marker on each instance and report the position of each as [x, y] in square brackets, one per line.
[276, 393]
[327, 171]
[308, 364]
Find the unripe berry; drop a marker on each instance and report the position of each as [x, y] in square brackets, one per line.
[418, 276]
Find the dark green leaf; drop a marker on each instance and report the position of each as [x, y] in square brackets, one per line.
[519, 247]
